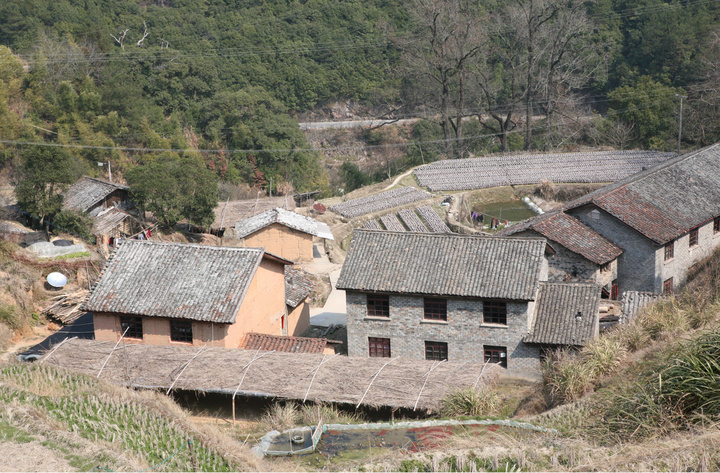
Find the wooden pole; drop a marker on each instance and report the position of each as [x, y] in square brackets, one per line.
[53, 350]
[184, 368]
[111, 352]
[315, 372]
[373, 380]
[426, 376]
[193, 460]
[245, 368]
[481, 373]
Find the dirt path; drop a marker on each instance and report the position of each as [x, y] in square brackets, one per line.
[31, 456]
[397, 179]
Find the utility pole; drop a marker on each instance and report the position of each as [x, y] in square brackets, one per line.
[680, 123]
[109, 170]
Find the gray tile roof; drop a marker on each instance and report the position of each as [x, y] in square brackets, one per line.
[556, 314]
[298, 285]
[265, 342]
[187, 281]
[229, 212]
[570, 233]
[634, 301]
[666, 201]
[287, 218]
[443, 264]
[108, 220]
[88, 191]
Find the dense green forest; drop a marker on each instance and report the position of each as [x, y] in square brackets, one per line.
[138, 82]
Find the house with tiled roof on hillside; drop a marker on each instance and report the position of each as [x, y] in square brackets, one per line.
[282, 232]
[460, 297]
[91, 195]
[581, 254]
[665, 219]
[173, 293]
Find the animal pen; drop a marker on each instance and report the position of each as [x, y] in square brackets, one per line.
[396, 383]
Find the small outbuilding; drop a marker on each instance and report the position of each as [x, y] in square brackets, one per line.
[91, 195]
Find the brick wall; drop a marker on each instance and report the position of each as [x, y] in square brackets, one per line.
[464, 331]
[684, 256]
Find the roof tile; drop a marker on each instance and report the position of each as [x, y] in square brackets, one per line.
[264, 342]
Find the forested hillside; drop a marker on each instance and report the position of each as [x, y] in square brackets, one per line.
[140, 82]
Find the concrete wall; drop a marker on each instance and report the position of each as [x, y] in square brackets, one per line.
[261, 311]
[464, 331]
[282, 241]
[684, 256]
[636, 266]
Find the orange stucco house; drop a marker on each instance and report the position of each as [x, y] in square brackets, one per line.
[283, 233]
[174, 293]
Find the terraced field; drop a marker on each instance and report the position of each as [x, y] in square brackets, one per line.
[419, 220]
[590, 167]
[378, 202]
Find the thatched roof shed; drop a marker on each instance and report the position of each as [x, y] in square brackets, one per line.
[401, 383]
[228, 213]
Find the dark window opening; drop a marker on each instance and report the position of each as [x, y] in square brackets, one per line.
[668, 286]
[436, 351]
[436, 309]
[181, 331]
[693, 237]
[133, 325]
[669, 250]
[716, 225]
[494, 312]
[379, 347]
[605, 294]
[496, 355]
[378, 305]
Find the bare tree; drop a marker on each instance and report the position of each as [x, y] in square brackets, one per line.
[145, 35]
[448, 37]
[120, 38]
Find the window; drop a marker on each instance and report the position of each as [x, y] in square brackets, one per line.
[378, 305]
[669, 250]
[716, 225]
[133, 325]
[494, 312]
[614, 290]
[693, 237]
[668, 286]
[436, 351]
[496, 355]
[436, 309]
[181, 330]
[379, 347]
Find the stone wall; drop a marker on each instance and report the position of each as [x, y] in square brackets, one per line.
[684, 256]
[464, 332]
[636, 266]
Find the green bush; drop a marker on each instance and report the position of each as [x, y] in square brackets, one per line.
[72, 221]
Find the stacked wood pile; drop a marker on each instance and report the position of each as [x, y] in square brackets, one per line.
[66, 307]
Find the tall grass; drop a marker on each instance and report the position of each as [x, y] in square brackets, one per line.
[470, 402]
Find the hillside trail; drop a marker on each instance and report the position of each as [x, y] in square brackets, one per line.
[397, 179]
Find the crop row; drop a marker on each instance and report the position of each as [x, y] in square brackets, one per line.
[378, 202]
[478, 173]
[430, 222]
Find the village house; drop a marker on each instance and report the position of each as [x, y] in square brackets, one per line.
[92, 196]
[229, 212]
[458, 297]
[282, 232]
[581, 254]
[665, 219]
[172, 293]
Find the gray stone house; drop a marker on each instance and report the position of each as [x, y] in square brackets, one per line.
[456, 297]
[666, 219]
[581, 254]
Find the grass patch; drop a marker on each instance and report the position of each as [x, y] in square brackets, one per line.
[11, 433]
[78, 254]
[470, 402]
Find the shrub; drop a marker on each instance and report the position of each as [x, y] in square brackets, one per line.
[282, 416]
[72, 221]
[603, 355]
[470, 402]
[567, 376]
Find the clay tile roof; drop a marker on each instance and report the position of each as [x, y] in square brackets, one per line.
[666, 201]
[443, 264]
[187, 281]
[298, 286]
[556, 321]
[289, 219]
[88, 191]
[264, 342]
[570, 233]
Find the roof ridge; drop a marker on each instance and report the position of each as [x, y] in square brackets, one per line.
[193, 245]
[445, 235]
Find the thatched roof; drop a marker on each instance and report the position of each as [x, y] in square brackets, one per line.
[228, 213]
[341, 379]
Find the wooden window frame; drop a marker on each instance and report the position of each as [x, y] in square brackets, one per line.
[716, 225]
[495, 354]
[435, 309]
[437, 351]
[668, 286]
[669, 250]
[136, 327]
[379, 347]
[378, 305]
[614, 290]
[694, 237]
[495, 312]
[179, 331]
